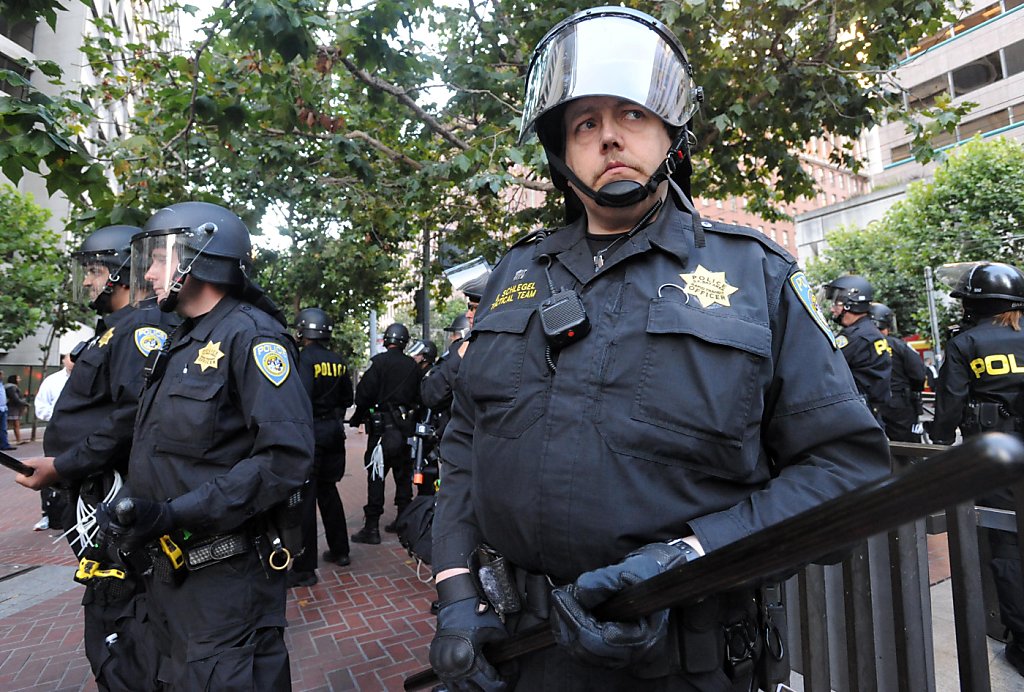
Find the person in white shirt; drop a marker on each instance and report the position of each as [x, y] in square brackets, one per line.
[51, 387]
[45, 399]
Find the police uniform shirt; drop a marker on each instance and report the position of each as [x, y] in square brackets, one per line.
[708, 396]
[436, 386]
[91, 427]
[983, 364]
[226, 432]
[326, 379]
[908, 371]
[867, 353]
[393, 378]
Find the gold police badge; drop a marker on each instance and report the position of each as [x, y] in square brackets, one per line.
[107, 336]
[710, 288]
[209, 355]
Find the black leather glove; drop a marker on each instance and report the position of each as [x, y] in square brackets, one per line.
[134, 522]
[456, 652]
[615, 644]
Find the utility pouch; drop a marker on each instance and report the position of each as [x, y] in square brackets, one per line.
[207, 551]
[988, 415]
[497, 581]
[376, 422]
[701, 638]
[773, 664]
[164, 568]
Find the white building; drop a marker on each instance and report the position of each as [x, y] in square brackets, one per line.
[979, 59]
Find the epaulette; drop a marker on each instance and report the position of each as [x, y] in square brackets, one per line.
[531, 237]
[732, 229]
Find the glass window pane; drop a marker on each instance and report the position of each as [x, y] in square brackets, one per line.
[1014, 57]
[977, 74]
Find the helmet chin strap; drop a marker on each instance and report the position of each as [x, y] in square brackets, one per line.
[626, 193]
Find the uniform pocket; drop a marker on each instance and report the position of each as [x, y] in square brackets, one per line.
[83, 380]
[699, 389]
[493, 372]
[193, 416]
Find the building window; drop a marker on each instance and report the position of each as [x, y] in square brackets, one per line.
[899, 153]
[987, 123]
[1014, 54]
[976, 74]
[718, 203]
[23, 33]
[785, 238]
[831, 178]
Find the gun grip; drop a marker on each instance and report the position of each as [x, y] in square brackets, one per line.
[125, 512]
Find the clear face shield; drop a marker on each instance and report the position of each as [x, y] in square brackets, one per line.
[89, 275]
[463, 274]
[156, 264]
[610, 52]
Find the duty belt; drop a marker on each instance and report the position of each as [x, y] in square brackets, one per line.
[207, 551]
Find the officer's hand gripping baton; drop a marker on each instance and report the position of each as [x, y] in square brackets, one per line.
[982, 464]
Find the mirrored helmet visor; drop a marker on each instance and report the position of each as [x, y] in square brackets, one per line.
[89, 274]
[609, 54]
[155, 260]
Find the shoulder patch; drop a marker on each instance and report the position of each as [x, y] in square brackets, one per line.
[802, 288]
[272, 360]
[842, 341]
[149, 339]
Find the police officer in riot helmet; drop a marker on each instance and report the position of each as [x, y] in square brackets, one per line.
[424, 353]
[89, 436]
[329, 385]
[437, 384]
[866, 351]
[223, 442]
[387, 398]
[600, 382]
[980, 390]
[900, 413]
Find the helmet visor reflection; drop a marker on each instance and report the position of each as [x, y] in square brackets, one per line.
[155, 261]
[609, 55]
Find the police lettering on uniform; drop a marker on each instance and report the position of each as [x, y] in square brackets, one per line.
[223, 440]
[329, 385]
[670, 388]
[866, 350]
[900, 413]
[89, 436]
[387, 398]
[981, 389]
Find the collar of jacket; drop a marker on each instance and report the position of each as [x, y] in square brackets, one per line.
[201, 331]
[671, 232]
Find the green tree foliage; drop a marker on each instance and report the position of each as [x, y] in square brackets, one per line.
[366, 125]
[33, 272]
[972, 210]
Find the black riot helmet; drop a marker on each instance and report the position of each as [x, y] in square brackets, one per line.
[474, 288]
[459, 326]
[882, 316]
[198, 239]
[854, 292]
[314, 323]
[396, 335]
[619, 52]
[989, 288]
[108, 250]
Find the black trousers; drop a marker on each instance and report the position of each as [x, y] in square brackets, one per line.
[222, 628]
[397, 461]
[900, 419]
[324, 494]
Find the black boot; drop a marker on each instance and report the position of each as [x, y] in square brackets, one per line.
[370, 533]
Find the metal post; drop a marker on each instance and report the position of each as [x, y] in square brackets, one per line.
[933, 315]
[425, 316]
[373, 333]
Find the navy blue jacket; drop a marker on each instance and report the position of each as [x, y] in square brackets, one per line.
[708, 397]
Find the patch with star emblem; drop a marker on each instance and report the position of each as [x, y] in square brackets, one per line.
[272, 361]
[105, 339]
[149, 339]
[209, 355]
[710, 288]
[802, 287]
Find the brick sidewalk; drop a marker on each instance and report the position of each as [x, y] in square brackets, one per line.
[362, 627]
